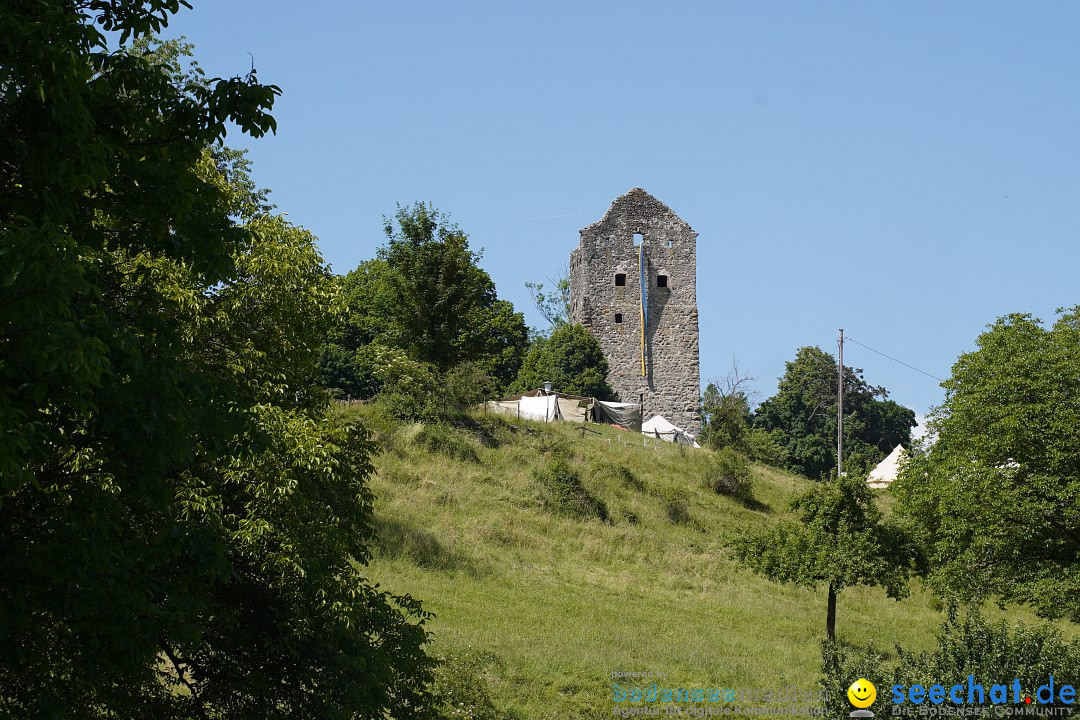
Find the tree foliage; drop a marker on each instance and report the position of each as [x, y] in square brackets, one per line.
[426, 295]
[802, 416]
[840, 540]
[725, 411]
[553, 305]
[571, 359]
[182, 526]
[996, 499]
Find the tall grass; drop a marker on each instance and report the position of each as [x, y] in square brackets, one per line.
[557, 601]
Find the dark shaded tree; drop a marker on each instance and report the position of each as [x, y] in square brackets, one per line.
[182, 525]
[426, 294]
[802, 417]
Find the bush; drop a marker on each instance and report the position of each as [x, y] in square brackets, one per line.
[466, 386]
[992, 653]
[491, 431]
[407, 388]
[445, 440]
[764, 446]
[566, 494]
[729, 475]
[461, 687]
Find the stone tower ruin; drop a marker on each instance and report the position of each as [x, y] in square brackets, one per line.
[633, 284]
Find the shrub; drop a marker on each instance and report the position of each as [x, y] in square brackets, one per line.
[994, 653]
[461, 687]
[552, 444]
[764, 446]
[376, 418]
[465, 386]
[566, 494]
[397, 539]
[491, 431]
[445, 440]
[729, 474]
[842, 665]
[407, 388]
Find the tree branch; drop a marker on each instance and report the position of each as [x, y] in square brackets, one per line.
[177, 663]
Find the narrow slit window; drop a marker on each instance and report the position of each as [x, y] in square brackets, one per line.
[670, 243]
[661, 281]
[618, 317]
[638, 239]
[620, 279]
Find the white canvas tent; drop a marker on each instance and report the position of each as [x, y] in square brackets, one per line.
[659, 426]
[543, 406]
[886, 470]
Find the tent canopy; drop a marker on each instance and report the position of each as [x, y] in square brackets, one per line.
[887, 470]
[543, 406]
[625, 415]
[659, 426]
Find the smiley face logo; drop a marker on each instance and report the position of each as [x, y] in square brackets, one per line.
[862, 693]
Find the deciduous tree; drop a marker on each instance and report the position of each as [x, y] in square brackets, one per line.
[571, 359]
[996, 499]
[427, 295]
[553, 305]
[802, 415]
[840, 541]
[725, 410]
[182, 526]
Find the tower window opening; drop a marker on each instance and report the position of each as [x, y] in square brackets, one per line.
[661, 281]
[670, 243]
[638, 239]
[620, 279]
[618, 317]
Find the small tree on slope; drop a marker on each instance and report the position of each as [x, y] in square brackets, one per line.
[840, 541]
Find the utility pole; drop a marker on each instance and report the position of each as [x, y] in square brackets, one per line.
[840, 409]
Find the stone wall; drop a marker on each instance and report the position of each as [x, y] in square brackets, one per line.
[671, 384]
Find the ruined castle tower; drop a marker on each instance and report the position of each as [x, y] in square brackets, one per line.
[633, 284]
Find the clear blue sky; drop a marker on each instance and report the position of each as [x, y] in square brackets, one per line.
[908, 171]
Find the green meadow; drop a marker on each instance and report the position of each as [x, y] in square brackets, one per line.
[547, 603]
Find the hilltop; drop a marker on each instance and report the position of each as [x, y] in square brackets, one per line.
[544, 604]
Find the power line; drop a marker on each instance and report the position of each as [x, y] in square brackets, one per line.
[894, 359]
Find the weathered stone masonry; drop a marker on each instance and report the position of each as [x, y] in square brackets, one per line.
[607, 255]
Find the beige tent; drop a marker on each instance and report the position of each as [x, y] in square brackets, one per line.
[660, 427]
[886, 470]
[543, 406]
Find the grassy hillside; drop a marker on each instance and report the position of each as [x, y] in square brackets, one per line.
[546, 604]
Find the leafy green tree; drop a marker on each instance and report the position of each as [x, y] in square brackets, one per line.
[996, 499]
[726, 419]
[571, 359]
[725, 412]
[426, 294]
[840, 541]
[802, 415]
[182, 525]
